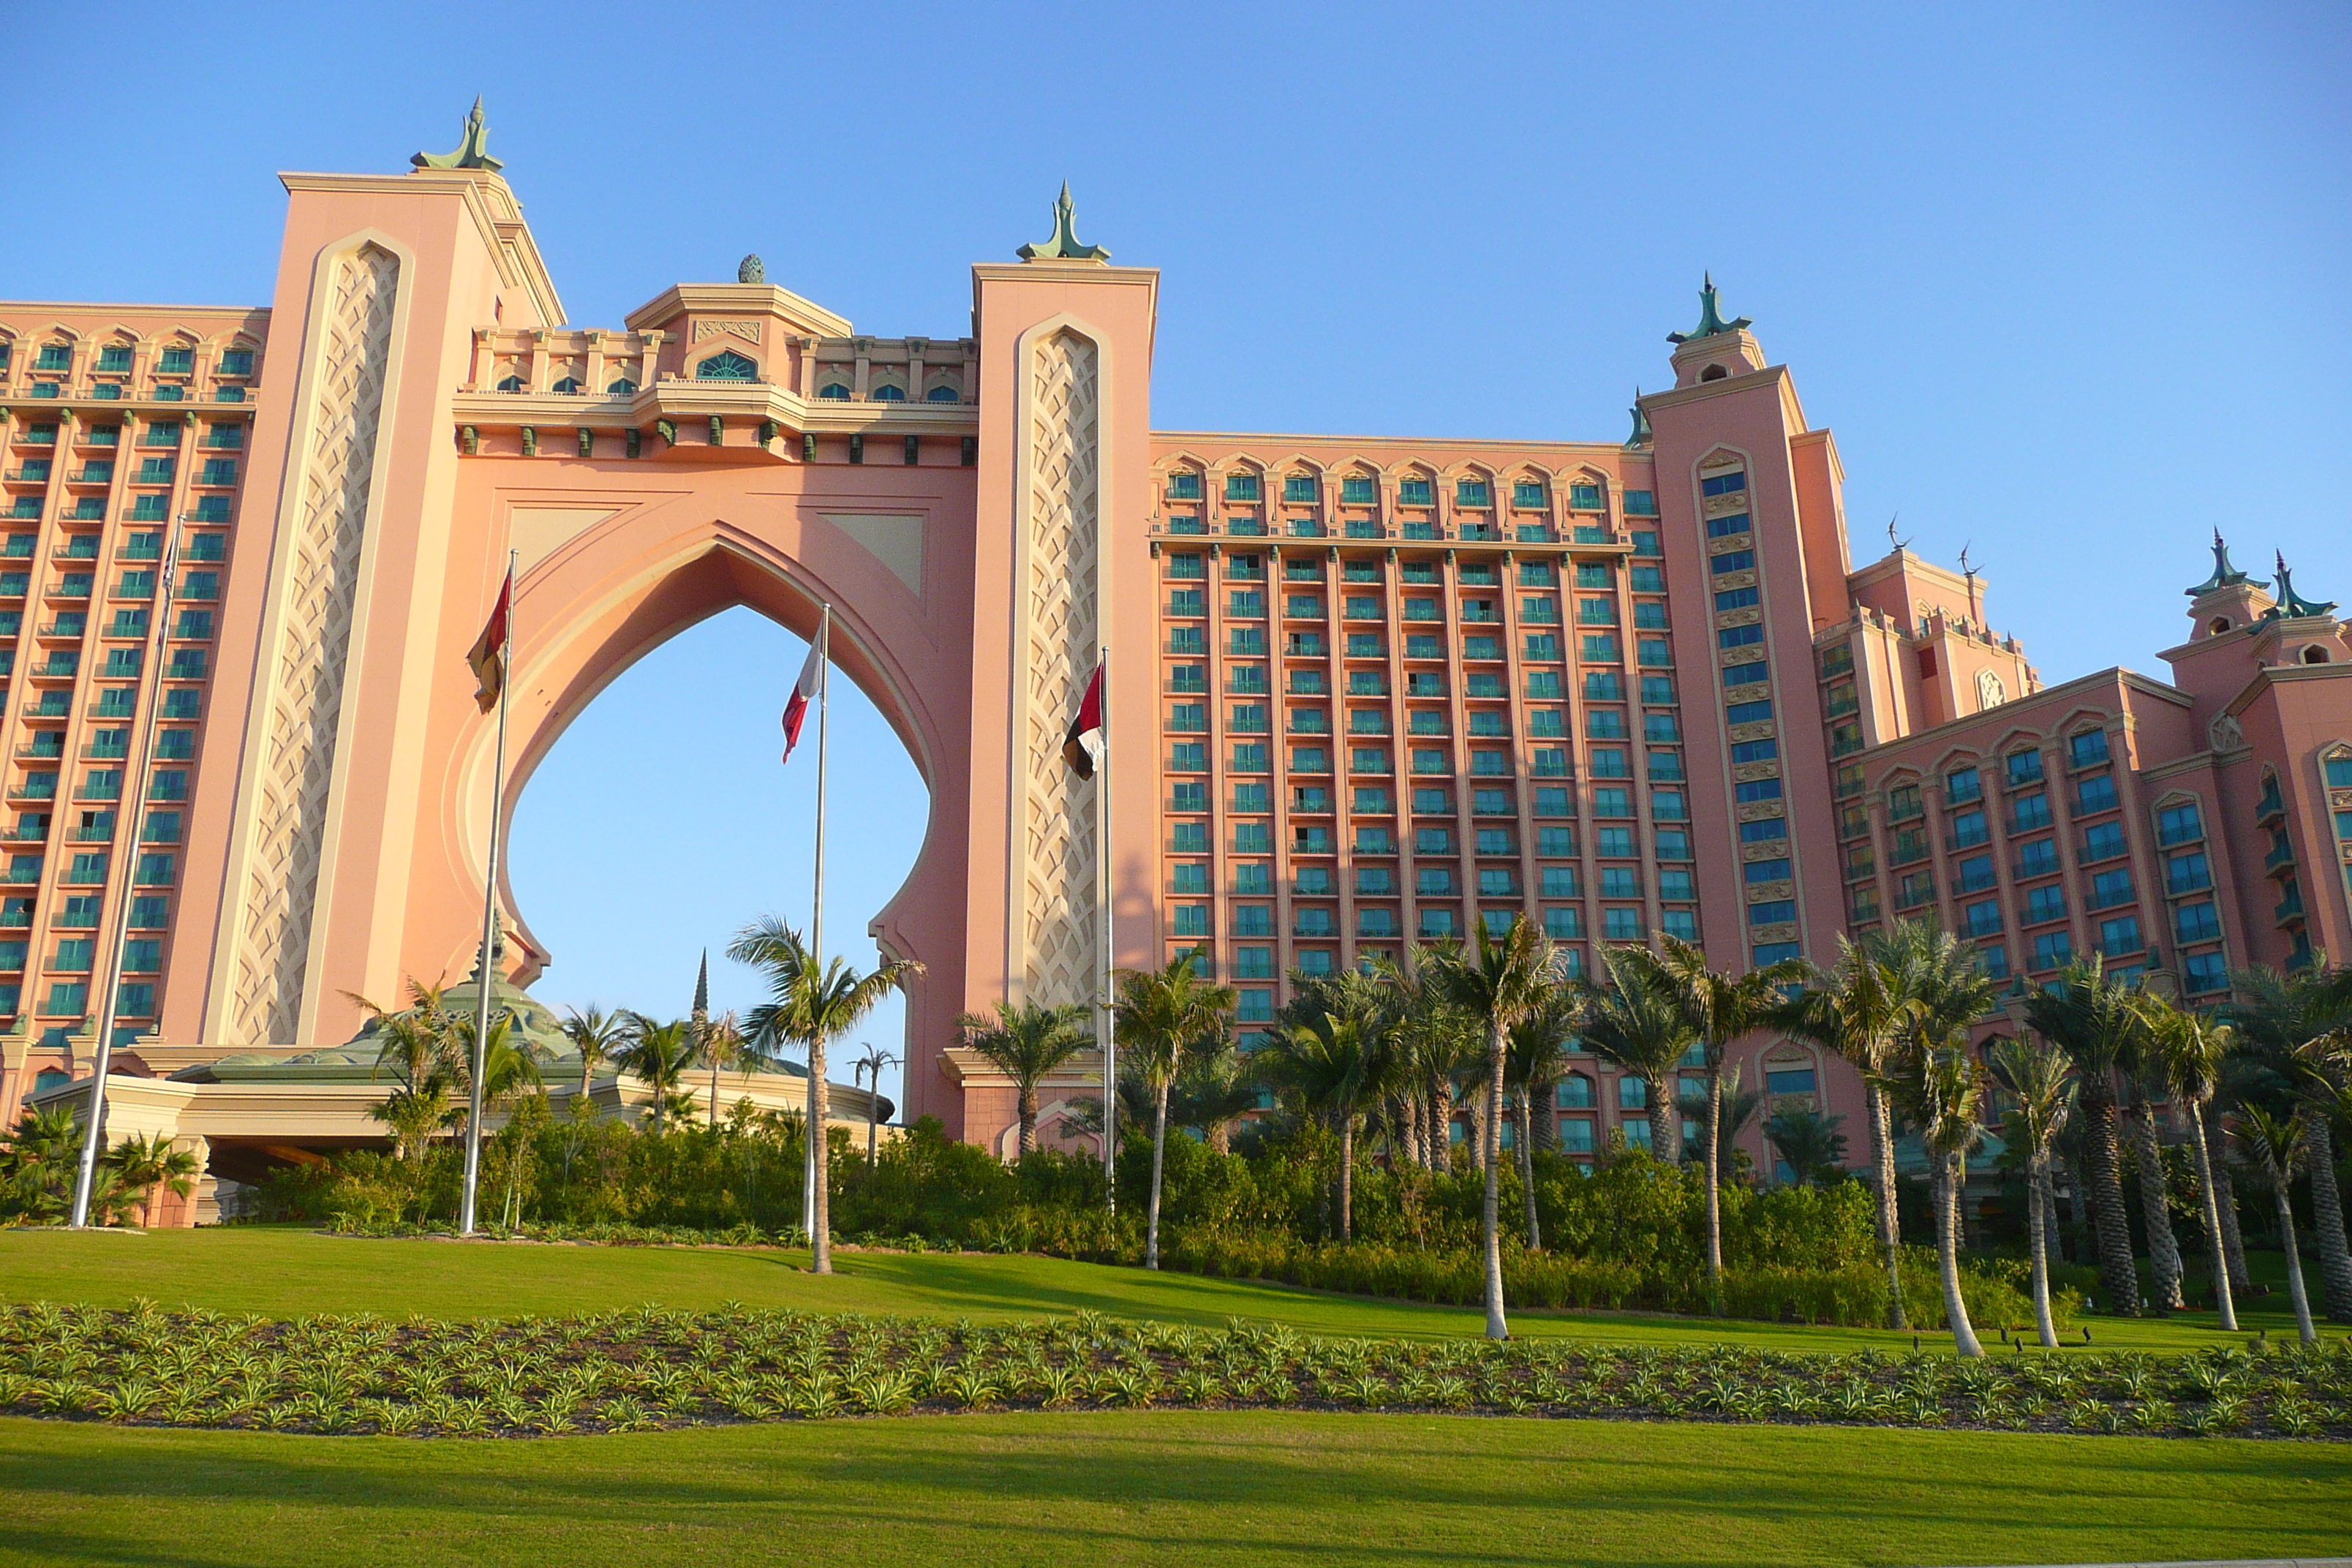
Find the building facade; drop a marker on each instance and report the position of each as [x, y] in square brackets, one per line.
[1361, 692]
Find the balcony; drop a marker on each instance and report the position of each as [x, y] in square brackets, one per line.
[1906, 850]
[1968, 840]
[2280, 859]
[2193, 882]
[2270, 808]
[1914, 897]
[2290, 908]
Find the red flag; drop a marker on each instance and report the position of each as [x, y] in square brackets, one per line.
[803, 690]
[488, 654]
[1082, 748]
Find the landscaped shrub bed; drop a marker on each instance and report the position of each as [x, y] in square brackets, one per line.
[650, 1368]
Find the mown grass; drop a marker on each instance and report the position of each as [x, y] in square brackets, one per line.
[284, 1272]
[1165, 1488]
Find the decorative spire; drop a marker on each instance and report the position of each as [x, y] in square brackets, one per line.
[2292, 604]
[1641, 436]
[1710, 321]
[751, 270]
[2224, 575]
[1063, 246]
[471, 153]
[702, 986]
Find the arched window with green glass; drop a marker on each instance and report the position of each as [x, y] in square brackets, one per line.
[727, 366]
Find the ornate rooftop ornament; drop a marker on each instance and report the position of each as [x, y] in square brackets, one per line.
[1710, 322]
[471, 153]
[751, 270]
[1641, 436]
[2291, 604]
[1063, 246]
[2224, 575]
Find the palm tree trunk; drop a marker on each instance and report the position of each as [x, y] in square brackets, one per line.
[1490, 1215]
[2222, 1300]
[1712, 1134]
[2108, 1224]
[1527, 1166]
[1665, 1127]
[1347, 1177]
[1890, 1235]
[2057, 1237]
[2294, 1263]
[2327, 1214]
[1484, 1123]
[820, 1193]
[1028, 1112]
[2037, 1178]
[2234, 1243]
[1947, 1254]
[2156, 1208]
[1159, 1153]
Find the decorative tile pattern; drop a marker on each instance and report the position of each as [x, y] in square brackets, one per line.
[1059, 650]
[305, 668]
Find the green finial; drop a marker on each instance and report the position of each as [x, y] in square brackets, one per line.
[1063, 246]
[1710, 321]
[702, 986]
[2292, 605]
[471, 153]
[1641, 436]
[2224, 575]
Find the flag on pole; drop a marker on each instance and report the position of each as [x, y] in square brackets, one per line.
[803, 693]
[488, 654]
[1082, 748]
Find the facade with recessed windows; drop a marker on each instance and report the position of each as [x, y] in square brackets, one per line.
[1362, 692]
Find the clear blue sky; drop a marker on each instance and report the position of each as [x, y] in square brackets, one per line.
[2068, 282]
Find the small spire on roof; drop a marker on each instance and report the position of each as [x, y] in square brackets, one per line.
[1641, 436]
[1710, 320]
[1063, 246]
[2292, 604]
[2224, 575]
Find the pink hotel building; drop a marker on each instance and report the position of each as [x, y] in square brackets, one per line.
[1363, 691]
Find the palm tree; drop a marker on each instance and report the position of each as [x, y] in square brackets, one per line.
[1733, 1116]
[2190, 1050]
[810, 1002]
[1329, 1063]
[1632, 1021]
[1501, 981]
[1718, 1008]
[869, 1066]
[1537, 1060]
[2144, 1080]
[2093, 1019]
[1218, 1087]
[2299, 1025]
[722, 1043]
[147, 1162]
[2275, 1148]
[596, 1034]
[1947, 1095]
[1025, 1042]
[1158, 1015]
[1809, 1144]
[414, 1115]
[1854, 1009]
[1434, 1040]
[38, 1161]
[657, 1055]
[2040, 1083]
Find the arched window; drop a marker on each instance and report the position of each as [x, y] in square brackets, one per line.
[623, 387]
[727, 365]
[569, 386]
[943, 394]
[834, 390]
[2220, 624]
[886, 393]
[1576, 1092]
[2314, 654]
[509, 384]
[1713, 373]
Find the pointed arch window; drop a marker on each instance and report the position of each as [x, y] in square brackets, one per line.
[727, 366]
[943, 394]
[834, 392]
[509, 384]
[886, 393]
[623, 387]
[569, 386]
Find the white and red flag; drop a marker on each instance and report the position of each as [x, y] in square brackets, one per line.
[1082, 748]
[803, 693]
[489, 655]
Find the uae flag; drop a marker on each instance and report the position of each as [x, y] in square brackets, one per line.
[803, 693]
[488, 654]
[1082, 748]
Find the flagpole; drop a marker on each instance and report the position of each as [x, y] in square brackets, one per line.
[812, 1166]
[486, 974]
[86, 1171]
[1103, 1021]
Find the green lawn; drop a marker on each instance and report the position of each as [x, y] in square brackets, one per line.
[288, 1271]
[1169, 1487]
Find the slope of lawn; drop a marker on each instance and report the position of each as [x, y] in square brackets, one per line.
[283, 1271]
[1152, 1487]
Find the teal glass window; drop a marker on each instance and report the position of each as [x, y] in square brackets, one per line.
[236, 362]
[729, 365]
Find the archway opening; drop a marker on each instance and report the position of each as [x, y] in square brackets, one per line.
[661, 823]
